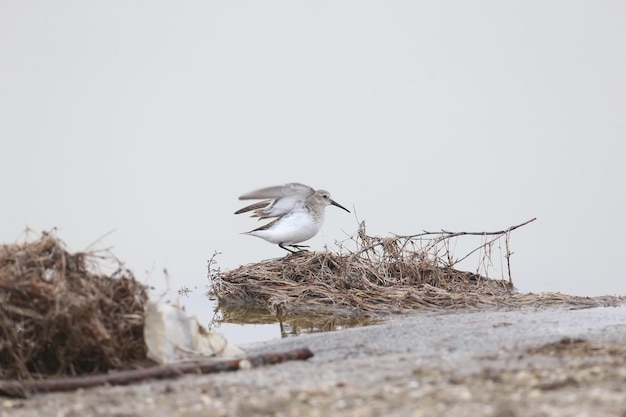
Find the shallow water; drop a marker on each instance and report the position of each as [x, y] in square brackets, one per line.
[247, 326]
[197, 303]
[244, 326]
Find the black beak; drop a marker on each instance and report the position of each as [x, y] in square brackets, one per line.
[334, 203]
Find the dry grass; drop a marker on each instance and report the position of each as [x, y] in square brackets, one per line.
[58, 316]
[382, 275]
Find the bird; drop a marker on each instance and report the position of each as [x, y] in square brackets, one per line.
[297, 209]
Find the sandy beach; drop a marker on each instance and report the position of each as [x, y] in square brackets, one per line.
[528, 362]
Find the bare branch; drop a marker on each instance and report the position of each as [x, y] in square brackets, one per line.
[17, 388]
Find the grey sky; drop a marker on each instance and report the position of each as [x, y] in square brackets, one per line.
[150, 118]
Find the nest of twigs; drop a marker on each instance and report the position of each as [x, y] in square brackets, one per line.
[394, 274]
[59, 316]
[393, 281]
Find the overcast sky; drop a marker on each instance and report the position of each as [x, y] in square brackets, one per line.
[150, 118]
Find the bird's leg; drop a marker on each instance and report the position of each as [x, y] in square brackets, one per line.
[299, 247]
[285, 248]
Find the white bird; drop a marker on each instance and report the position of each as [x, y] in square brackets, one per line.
[299, 211]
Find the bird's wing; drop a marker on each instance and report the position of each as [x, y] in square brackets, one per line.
[255, 206]
[287, 198]
[291, 189]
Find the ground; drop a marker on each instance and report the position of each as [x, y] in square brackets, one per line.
[526, 362]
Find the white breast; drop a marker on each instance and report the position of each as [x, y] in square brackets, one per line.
[292, 228]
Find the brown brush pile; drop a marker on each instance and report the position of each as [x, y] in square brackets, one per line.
[58, 317]
[395, 274]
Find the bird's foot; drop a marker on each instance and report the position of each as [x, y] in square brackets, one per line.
[299, 248]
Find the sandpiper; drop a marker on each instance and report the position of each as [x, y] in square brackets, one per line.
[298, 209]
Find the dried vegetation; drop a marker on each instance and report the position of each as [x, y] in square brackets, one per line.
[381, 275]
[60, 316]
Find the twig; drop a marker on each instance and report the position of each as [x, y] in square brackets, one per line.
[508, 257]
[443, 235]
[15, 388]
[495, 239]
[213, 270]
[448, 235]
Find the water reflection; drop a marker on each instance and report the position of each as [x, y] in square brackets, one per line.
[242, 326]
[294, 325]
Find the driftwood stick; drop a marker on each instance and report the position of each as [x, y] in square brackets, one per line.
[15, 388]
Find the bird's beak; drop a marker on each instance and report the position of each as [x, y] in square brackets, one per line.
[334, 203]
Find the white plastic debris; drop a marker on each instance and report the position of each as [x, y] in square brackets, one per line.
[172, 336]
[49, 274]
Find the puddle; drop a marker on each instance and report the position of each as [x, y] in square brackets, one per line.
[293, 325]
[241, 326]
